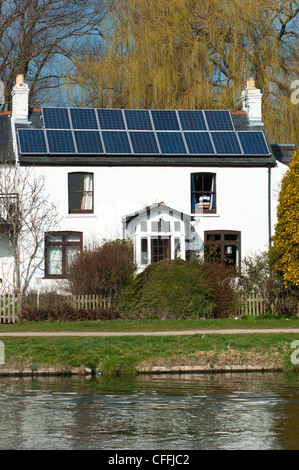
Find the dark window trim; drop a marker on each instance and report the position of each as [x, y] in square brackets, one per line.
[166, 249]
[214, 193]
[81, 211]
[222, 242]
[62, 244]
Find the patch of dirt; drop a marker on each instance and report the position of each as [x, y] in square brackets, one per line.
[230, 357]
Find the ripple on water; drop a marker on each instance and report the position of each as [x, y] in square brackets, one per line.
[198, 411]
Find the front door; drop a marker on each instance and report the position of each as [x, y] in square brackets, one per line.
[160, 248]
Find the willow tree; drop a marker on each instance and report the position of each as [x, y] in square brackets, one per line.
[286, 238]
[194, 54]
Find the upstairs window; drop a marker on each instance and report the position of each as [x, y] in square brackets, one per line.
[203, 193]
[80, 186]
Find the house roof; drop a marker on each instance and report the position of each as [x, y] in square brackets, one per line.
[152, 208]
[75, 136]
[283, 152]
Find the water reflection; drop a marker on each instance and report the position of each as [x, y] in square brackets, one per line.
[218, 411]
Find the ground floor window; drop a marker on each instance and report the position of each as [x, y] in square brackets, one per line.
[60, 249]
[223, 245]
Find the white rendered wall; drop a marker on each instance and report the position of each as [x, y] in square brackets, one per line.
[6, 266]
[241, 199]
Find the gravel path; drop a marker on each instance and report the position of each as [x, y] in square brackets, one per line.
[151, 333]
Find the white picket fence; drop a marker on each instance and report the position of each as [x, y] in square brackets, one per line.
[10, 305]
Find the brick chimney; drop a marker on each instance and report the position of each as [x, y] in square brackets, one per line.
[252, 103]
[20, 99]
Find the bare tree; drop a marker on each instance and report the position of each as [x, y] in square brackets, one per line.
[26, 213]
[36, 34]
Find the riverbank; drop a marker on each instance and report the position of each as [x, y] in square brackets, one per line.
[151, 352]
[63, 370]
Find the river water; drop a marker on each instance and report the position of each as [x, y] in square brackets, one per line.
[245, 411]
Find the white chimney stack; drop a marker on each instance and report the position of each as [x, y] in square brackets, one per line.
[20, 99]
[252, 103]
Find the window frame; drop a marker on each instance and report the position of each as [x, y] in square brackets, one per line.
[213, 193]
[165, 247]
[222, 242]
[81, 211]
[63, 244]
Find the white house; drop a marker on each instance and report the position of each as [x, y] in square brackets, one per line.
[172, 181]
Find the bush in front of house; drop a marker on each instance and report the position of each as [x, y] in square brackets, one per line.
[102, 269]
[224, 283]
[179, 289]
[54, 307]
[260, 277]
[68, 313]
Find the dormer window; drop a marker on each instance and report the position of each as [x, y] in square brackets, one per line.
[203, 193]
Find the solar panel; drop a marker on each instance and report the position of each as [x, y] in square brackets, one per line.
[88, 141]
[192, 120]
[253, 143]
[226, 143]
[165, 120]
[32, 141]
[60, 141]
[141, 132]
[56, 118]
[171, 142]
[111, 119]
[219, 120]
[144, 142]
[199, 143]
[83, 118]
[116, 142]
[138, 119]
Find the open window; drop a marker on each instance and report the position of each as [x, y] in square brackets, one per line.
[223, 246]
[203, 193]
[60, 249]
[80, 188]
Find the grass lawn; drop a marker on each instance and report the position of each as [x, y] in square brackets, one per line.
[121, 355]
[154, 325]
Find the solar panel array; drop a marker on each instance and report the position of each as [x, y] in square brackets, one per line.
[139, 132]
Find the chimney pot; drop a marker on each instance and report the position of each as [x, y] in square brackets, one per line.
[251, 82]
[20, 79]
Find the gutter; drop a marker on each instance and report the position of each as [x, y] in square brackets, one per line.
[269, 207]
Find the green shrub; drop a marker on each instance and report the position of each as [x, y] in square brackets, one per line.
[169, 289]
[260, 277]
[223, 283]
